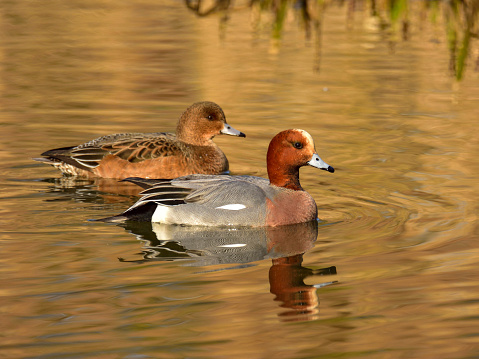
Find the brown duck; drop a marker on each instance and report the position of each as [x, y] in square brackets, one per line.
[152, 155]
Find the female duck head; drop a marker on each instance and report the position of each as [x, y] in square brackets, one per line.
[201, 122]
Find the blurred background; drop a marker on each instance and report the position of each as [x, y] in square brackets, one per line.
[389, 90]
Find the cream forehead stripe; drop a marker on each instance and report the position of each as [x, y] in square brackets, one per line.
[306, 135]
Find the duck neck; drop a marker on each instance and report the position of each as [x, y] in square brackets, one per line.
[287, 177]
[190, 136]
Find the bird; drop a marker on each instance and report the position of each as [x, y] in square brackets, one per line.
[152, 155]
[212, 200]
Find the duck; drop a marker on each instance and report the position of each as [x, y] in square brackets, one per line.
[152, 155]
[212, 200]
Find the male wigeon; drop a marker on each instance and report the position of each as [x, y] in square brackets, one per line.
[152, 155]
[235, 200]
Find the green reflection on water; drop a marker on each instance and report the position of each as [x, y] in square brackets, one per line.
[458, 19]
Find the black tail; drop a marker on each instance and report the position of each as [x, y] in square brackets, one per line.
[142, 213]
[57, 152]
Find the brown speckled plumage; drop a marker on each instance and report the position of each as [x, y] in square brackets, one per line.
[152, 155]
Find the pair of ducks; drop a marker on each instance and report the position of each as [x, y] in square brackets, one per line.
[191, 191]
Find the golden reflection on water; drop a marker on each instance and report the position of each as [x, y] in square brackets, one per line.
[400, 212]
[234, 248]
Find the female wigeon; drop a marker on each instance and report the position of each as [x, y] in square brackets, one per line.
[152, 155]
[236, 200]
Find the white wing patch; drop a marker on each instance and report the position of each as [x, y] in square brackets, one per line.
[232, 207]
[236, 245]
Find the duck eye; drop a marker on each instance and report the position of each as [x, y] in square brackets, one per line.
[210, 117]
[298, 145]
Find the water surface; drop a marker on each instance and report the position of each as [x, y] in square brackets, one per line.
[390, 271]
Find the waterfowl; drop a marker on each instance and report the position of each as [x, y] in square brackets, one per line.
[152, 155]
[208, 200]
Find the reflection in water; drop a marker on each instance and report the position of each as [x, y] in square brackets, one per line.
[222, 245]
[403, 209]
[286, 278]
[392, 17]
[206, 246]
[97, 190]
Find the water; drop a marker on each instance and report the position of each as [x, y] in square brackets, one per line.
[391, 269]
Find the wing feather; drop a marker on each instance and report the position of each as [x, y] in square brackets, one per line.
[209, 191]
[134, 147]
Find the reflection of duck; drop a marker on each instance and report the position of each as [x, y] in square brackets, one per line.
[152, 155]
[203, 246]
[286, 279]
[95, 190]
[225, 245]
[204, 200]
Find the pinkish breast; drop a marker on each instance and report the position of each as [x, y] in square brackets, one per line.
[289, 207]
